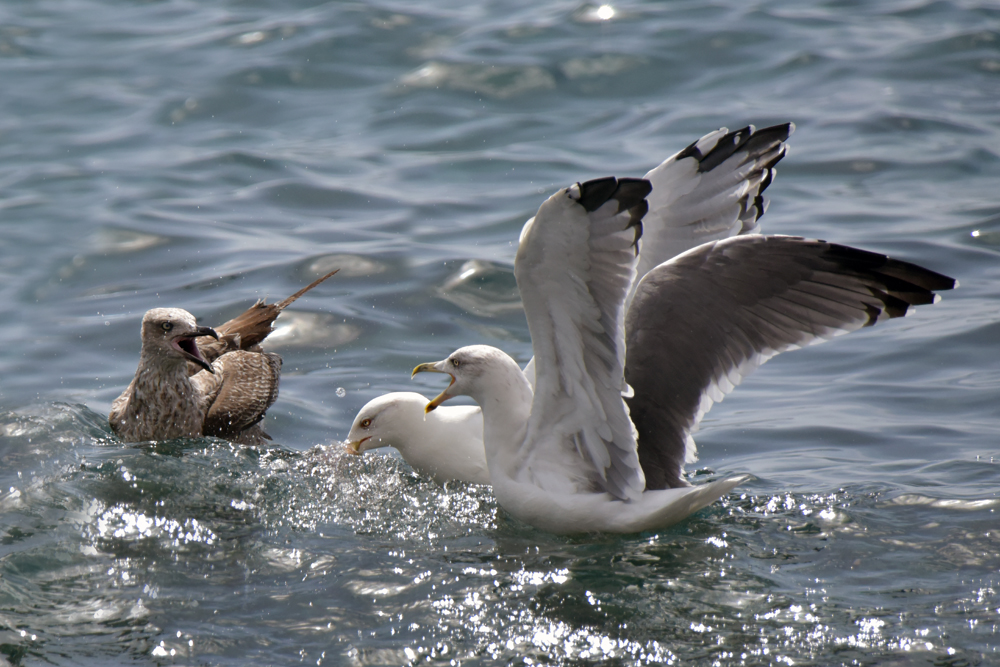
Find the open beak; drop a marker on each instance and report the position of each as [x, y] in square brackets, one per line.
[190, 349]
[205, 331]
[435, 367]
[354, 446]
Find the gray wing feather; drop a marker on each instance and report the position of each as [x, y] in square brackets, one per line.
[703, 321]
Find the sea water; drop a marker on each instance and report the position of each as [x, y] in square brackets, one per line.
[203, 155]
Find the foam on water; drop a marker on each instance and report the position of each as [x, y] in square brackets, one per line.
[207, 155]
[172, 552]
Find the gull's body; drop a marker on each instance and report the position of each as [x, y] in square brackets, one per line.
[184, 388]
[711, 190]
[565, 457]
[544, 482]
[226, 399]
[398, 420]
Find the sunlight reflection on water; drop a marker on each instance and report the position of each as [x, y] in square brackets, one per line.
[207, 155]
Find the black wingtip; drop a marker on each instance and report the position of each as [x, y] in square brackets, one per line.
[595, 193]
[766, 139]
[747, 140]
[629, 192]
[896, 283]
[632, 192]
[725, 148]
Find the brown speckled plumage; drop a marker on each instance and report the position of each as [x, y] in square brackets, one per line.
[247, 330]
[221, 388]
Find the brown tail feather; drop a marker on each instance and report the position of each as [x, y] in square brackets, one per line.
[281, 305]
[247, 330]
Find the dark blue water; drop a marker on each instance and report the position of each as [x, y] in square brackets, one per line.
[204, 155]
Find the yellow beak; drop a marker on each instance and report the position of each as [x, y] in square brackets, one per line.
[434, 367]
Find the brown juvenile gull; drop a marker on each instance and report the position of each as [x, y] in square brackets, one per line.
[188, 389]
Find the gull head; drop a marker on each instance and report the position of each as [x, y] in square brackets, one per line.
[468, 368]
[169, 333]
[386, 421]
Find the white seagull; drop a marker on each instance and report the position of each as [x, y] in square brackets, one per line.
[711, 190]
[445, 445]
[565, 457]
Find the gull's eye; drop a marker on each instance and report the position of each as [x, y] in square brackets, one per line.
[456, 363]
[167, 326]
[365, 423]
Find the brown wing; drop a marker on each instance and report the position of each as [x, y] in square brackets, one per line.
[244, 386]
[247, 330]
[212, 349]
[118, 406]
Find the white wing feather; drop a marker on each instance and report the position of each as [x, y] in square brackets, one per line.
[710, 190]
[574, 270]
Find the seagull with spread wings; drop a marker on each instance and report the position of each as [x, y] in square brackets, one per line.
[710, 190]
[564, 455]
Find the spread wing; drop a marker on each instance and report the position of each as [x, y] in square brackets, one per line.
[244, 386]
[574, 267]
[703, 321]
[711, 190]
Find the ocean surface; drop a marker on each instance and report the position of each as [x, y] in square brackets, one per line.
[206, 154]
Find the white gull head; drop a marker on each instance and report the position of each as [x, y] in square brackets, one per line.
[446, 444]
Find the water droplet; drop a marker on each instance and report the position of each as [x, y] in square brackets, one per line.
[341, 392]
